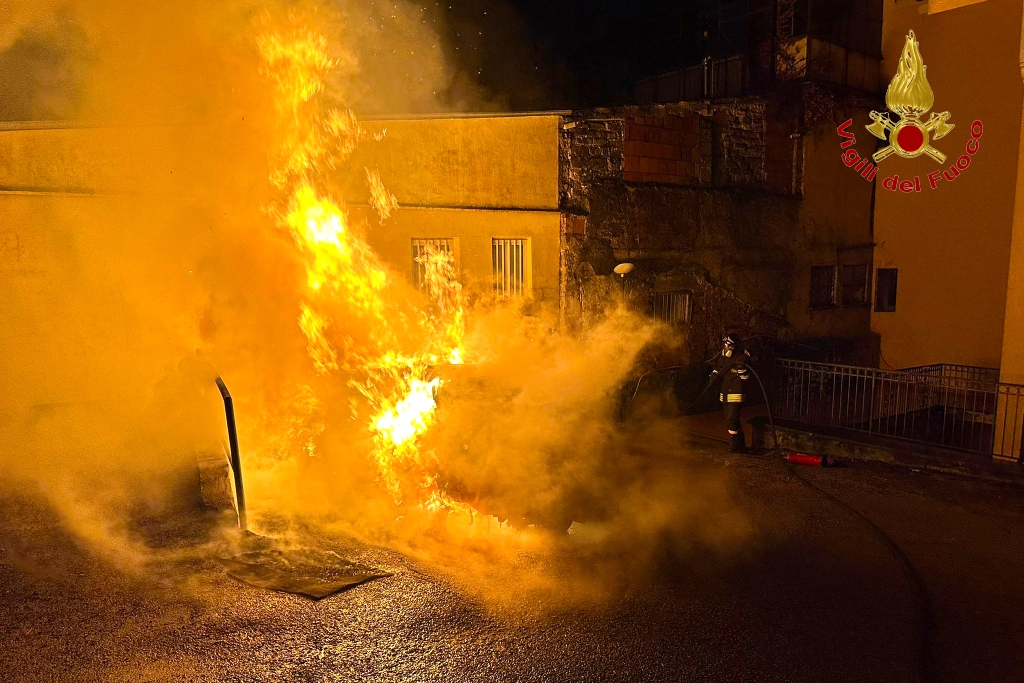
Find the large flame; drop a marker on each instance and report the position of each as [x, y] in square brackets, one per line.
[909, 94]
[362, 343]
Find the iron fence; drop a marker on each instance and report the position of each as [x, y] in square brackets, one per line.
[951, 371]
[958, 407]
[715, 79]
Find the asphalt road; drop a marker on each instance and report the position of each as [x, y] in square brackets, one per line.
[883, 574]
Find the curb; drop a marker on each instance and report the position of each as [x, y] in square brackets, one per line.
[808, 442]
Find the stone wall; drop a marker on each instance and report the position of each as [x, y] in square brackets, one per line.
[701, 198]
[589, 150]
[739, 144]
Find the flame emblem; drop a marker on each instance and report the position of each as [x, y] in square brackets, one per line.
[910, 97]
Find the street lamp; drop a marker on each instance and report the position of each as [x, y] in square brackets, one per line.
[622, 270]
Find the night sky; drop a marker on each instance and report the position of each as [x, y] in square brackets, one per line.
[542, 54]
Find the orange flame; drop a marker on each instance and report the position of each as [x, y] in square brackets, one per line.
[443, 288]
[343, 272]
[381, 200]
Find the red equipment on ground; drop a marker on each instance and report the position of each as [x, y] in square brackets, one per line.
[810, 459]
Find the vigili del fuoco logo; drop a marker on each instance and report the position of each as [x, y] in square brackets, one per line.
[909, 98]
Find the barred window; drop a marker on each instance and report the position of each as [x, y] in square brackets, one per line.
[510, 262]
[673, 308]
[420, 247]
[823, 286]
[855, 285]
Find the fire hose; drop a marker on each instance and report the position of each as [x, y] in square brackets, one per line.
[924, 627]
[671, 367]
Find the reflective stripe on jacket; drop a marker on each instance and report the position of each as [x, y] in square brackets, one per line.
[733, 370]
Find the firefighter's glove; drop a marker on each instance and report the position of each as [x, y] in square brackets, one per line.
[742, 371]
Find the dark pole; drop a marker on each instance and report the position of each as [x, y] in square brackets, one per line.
[236, 462]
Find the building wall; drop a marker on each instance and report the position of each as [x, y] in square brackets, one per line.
[951, 244]
[105, 295]
[471, 231]
[710, 200]
[835, 225]
[172, 160]
[1012, 360]
[65, 268]
[97, 330]
[497, 162]
[89, 269]
[470, 179]
[71, 159]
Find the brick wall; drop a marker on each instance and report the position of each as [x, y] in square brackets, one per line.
[662, 149]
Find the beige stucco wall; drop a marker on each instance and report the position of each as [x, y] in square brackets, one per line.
[72, 159]
[83, 290]
[88, 214]
[951, 244]
[172, 160]
[471, 180]
[486, 162]
[85, 228]
[1012, 365]
[471, 232]
[835, 213]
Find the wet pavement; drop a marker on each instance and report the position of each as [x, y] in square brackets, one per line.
[861, 573]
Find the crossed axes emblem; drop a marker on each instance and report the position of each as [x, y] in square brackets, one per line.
[909, 138]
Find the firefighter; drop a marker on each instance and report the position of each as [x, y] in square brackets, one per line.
[731, 365]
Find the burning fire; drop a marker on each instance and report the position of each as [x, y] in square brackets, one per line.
[344, 274]
[382, 200]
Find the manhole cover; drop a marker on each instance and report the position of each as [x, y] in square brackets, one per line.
[311, 573]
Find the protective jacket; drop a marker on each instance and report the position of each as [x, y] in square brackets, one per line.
[734, 372]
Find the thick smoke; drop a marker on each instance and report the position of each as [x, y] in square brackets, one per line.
[42, 71]
[122, 306]
[80, 59]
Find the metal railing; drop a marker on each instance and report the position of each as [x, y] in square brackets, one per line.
[958, 407]
[714, 79]
[951, 371]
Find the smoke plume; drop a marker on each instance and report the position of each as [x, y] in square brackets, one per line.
[207, 242]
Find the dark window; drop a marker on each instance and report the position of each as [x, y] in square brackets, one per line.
[672, 308]
[823, 286]
[885, 290]
[855, 285]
